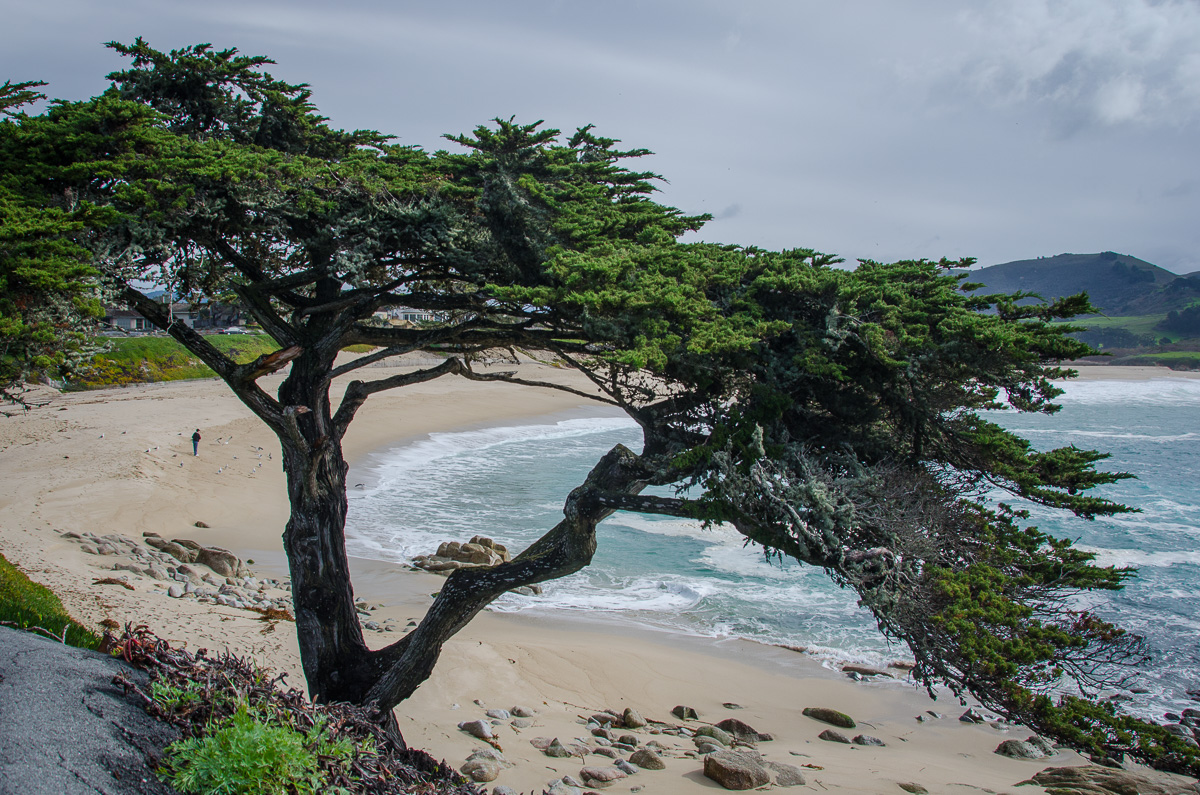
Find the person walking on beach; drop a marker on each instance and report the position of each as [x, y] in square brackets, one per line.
[196, 442]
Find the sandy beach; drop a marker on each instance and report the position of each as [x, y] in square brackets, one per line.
[120, 461]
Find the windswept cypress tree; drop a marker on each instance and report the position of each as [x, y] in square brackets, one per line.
[830, 415]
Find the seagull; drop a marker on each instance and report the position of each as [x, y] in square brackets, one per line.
[147, 449]
[359, 485]
[181, 465]
[219, 471]
[101, 436]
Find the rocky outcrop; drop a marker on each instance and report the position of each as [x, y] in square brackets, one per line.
[736, 770]
[478, 553]
[830, 716]
[1095, 780]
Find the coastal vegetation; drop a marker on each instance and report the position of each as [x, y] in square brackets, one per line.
[835, 417]
[145, 359]
[25, 604]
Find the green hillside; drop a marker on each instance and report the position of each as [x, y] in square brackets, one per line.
[136, 360]
[1118, 284]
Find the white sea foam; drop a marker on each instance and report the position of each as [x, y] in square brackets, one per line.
[1155, 391]
[1140, 558]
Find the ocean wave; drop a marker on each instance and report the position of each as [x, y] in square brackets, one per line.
[1155, 391]
[1142, 559]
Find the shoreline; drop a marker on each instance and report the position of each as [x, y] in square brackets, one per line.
[119, 461]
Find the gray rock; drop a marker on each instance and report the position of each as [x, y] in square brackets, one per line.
[490, 753]
[222, 561]
[971, 716]
[521, 723]
[743, 731]
[830, 716]
[632, 718]
[913, 787]
[560, 788]
[735, 770]
[600, 776]
[866, 739]
[1018, 749]
[731, 705]
[503, 790]
[611, 753]
[625, 767]
[556, 749]
[786, 775]
[604, 733]
[706, 745]
[522, 712]
[175, 591]
[1040, 744]
[480, 770]
[864, 671]
[829, 735]
[571, 781]
[498, 714]
[88, 548]
[67, 729]
[628, 739]
[1092, 778]
[477, 728]
[685, 713]
[647, 760]
[720, 735]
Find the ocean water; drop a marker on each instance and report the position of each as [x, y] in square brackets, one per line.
[509, 483]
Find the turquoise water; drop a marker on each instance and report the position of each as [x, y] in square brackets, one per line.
[509, 482]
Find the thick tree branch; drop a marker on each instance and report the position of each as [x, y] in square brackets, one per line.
[262, 404]
[565, 549]
[509, 378]
[357, 392]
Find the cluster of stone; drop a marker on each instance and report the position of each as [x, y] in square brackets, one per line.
[727, 748]
[210, 575]
[480, 552]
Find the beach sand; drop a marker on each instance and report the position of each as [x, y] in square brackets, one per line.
[120, 461]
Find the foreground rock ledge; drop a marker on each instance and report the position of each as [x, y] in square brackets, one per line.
[65, 729]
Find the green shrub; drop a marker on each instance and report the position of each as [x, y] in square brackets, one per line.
[139, 360]
[24, 604]
[244, 754]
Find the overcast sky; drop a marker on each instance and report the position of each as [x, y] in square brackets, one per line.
[867, 129]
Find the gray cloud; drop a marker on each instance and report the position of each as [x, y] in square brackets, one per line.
[876, 129]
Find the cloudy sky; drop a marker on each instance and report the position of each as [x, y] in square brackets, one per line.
[998, 129]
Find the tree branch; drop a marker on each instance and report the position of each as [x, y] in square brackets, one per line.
[508, 378]
[357, 392]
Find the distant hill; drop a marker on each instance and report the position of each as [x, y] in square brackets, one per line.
[1117, 284]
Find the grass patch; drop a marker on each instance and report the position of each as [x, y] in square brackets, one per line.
[140, 360]
[359, 348]
[1176, 360]
[24, 604]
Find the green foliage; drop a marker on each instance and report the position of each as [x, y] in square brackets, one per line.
[245, 754]
[45, 275]
[137, 360]
[25, 604]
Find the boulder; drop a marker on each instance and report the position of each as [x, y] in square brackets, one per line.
[785, 775]
[556, 749]
[498, 714]
[522, 712]
[1095, 780]
[830, 716]
[720, 735]
[502, 790]
[913, 787]
[1019, 749]
[628, 739]
[632, 718]
[829, 735]
[611, 753]
[480, 729]
[647, 759]
[600, 776]
[175, 591]
[542, 743]
[742, 731]
[735, 770]
[685, 713]
[222, 561]
[625, 767]
[480, 770]
[971, 716]
[866, 739]
[864, 671]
